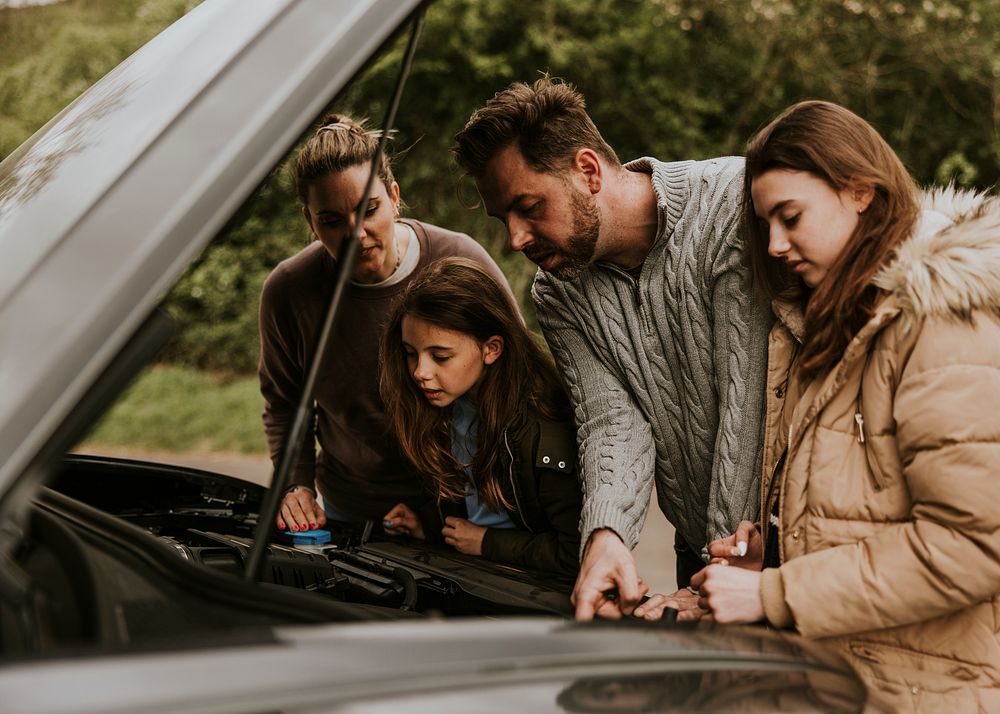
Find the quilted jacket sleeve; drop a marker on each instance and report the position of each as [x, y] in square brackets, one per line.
[947, 555]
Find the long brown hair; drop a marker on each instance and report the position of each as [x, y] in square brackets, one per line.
[458, 294]
[839, 147]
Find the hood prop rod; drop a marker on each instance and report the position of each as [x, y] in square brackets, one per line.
[345, 267]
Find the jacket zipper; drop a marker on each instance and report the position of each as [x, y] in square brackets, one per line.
[870, 459]
[513, 484]
[767, 516]
[873, 471]
[781, 496]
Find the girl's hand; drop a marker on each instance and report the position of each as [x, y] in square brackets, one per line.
[684, 601]
[728, 551]
[402, 521]
[465, 536]
[730, 595]
[300, 511]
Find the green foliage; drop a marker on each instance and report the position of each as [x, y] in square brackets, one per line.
[680, 79]
[180, 409]
[52, 53]
[217, 300]
[673, 79]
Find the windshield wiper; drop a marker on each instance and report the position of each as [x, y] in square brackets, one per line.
[345, 267]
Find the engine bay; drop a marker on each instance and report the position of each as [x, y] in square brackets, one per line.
[121, 552]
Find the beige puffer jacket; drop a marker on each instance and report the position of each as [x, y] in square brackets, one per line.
[889, 505]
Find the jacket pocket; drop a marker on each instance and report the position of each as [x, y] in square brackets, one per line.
[900, 679]
[904, 664]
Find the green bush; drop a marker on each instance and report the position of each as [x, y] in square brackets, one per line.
[171, 408]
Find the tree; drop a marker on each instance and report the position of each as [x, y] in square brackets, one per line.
[674, 79]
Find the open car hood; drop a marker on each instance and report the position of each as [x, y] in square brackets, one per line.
[104, 207]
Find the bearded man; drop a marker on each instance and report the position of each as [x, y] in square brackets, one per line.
[645, 298]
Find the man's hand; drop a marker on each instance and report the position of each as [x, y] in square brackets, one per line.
[731, 595]
[729, 551]
[300, 511]
[401, 520]
[608, 584]
[464, 535]
[684, 601]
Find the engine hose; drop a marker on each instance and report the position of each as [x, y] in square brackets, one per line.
[409, 583]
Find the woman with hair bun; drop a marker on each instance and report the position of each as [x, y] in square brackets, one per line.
[359, 468]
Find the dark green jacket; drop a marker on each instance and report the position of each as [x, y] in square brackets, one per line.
[540, 458]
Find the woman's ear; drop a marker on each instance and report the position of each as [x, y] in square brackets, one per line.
[394, 197]
[307, 214]
[862, 195]
[492, 349]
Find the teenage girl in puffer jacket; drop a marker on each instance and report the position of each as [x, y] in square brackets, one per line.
[880, 491]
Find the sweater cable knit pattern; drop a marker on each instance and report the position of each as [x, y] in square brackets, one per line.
[667, 372]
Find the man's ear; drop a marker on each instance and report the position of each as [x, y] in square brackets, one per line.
[588, 164]
[862, 194]
[492, 349]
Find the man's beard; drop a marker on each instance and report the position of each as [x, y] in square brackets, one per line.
[578, 253]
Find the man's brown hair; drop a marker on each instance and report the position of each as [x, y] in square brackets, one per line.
[546, 120]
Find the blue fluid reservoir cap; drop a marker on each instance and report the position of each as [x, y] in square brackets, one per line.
[314, 537]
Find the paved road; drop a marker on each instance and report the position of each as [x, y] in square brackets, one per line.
[654, 555]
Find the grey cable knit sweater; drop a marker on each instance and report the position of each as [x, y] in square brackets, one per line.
[667, 373]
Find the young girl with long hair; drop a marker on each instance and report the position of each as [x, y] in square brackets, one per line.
[880, 512]
[359, 469]
[479, 409]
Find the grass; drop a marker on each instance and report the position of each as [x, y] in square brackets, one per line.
[182, 410]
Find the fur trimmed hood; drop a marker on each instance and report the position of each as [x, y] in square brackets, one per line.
[955, 269]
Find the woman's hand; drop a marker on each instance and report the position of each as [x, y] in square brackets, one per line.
[684, 601]
[465, 536]
[402, 521]
[730, 595]
[728, 551]
[300, 511]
